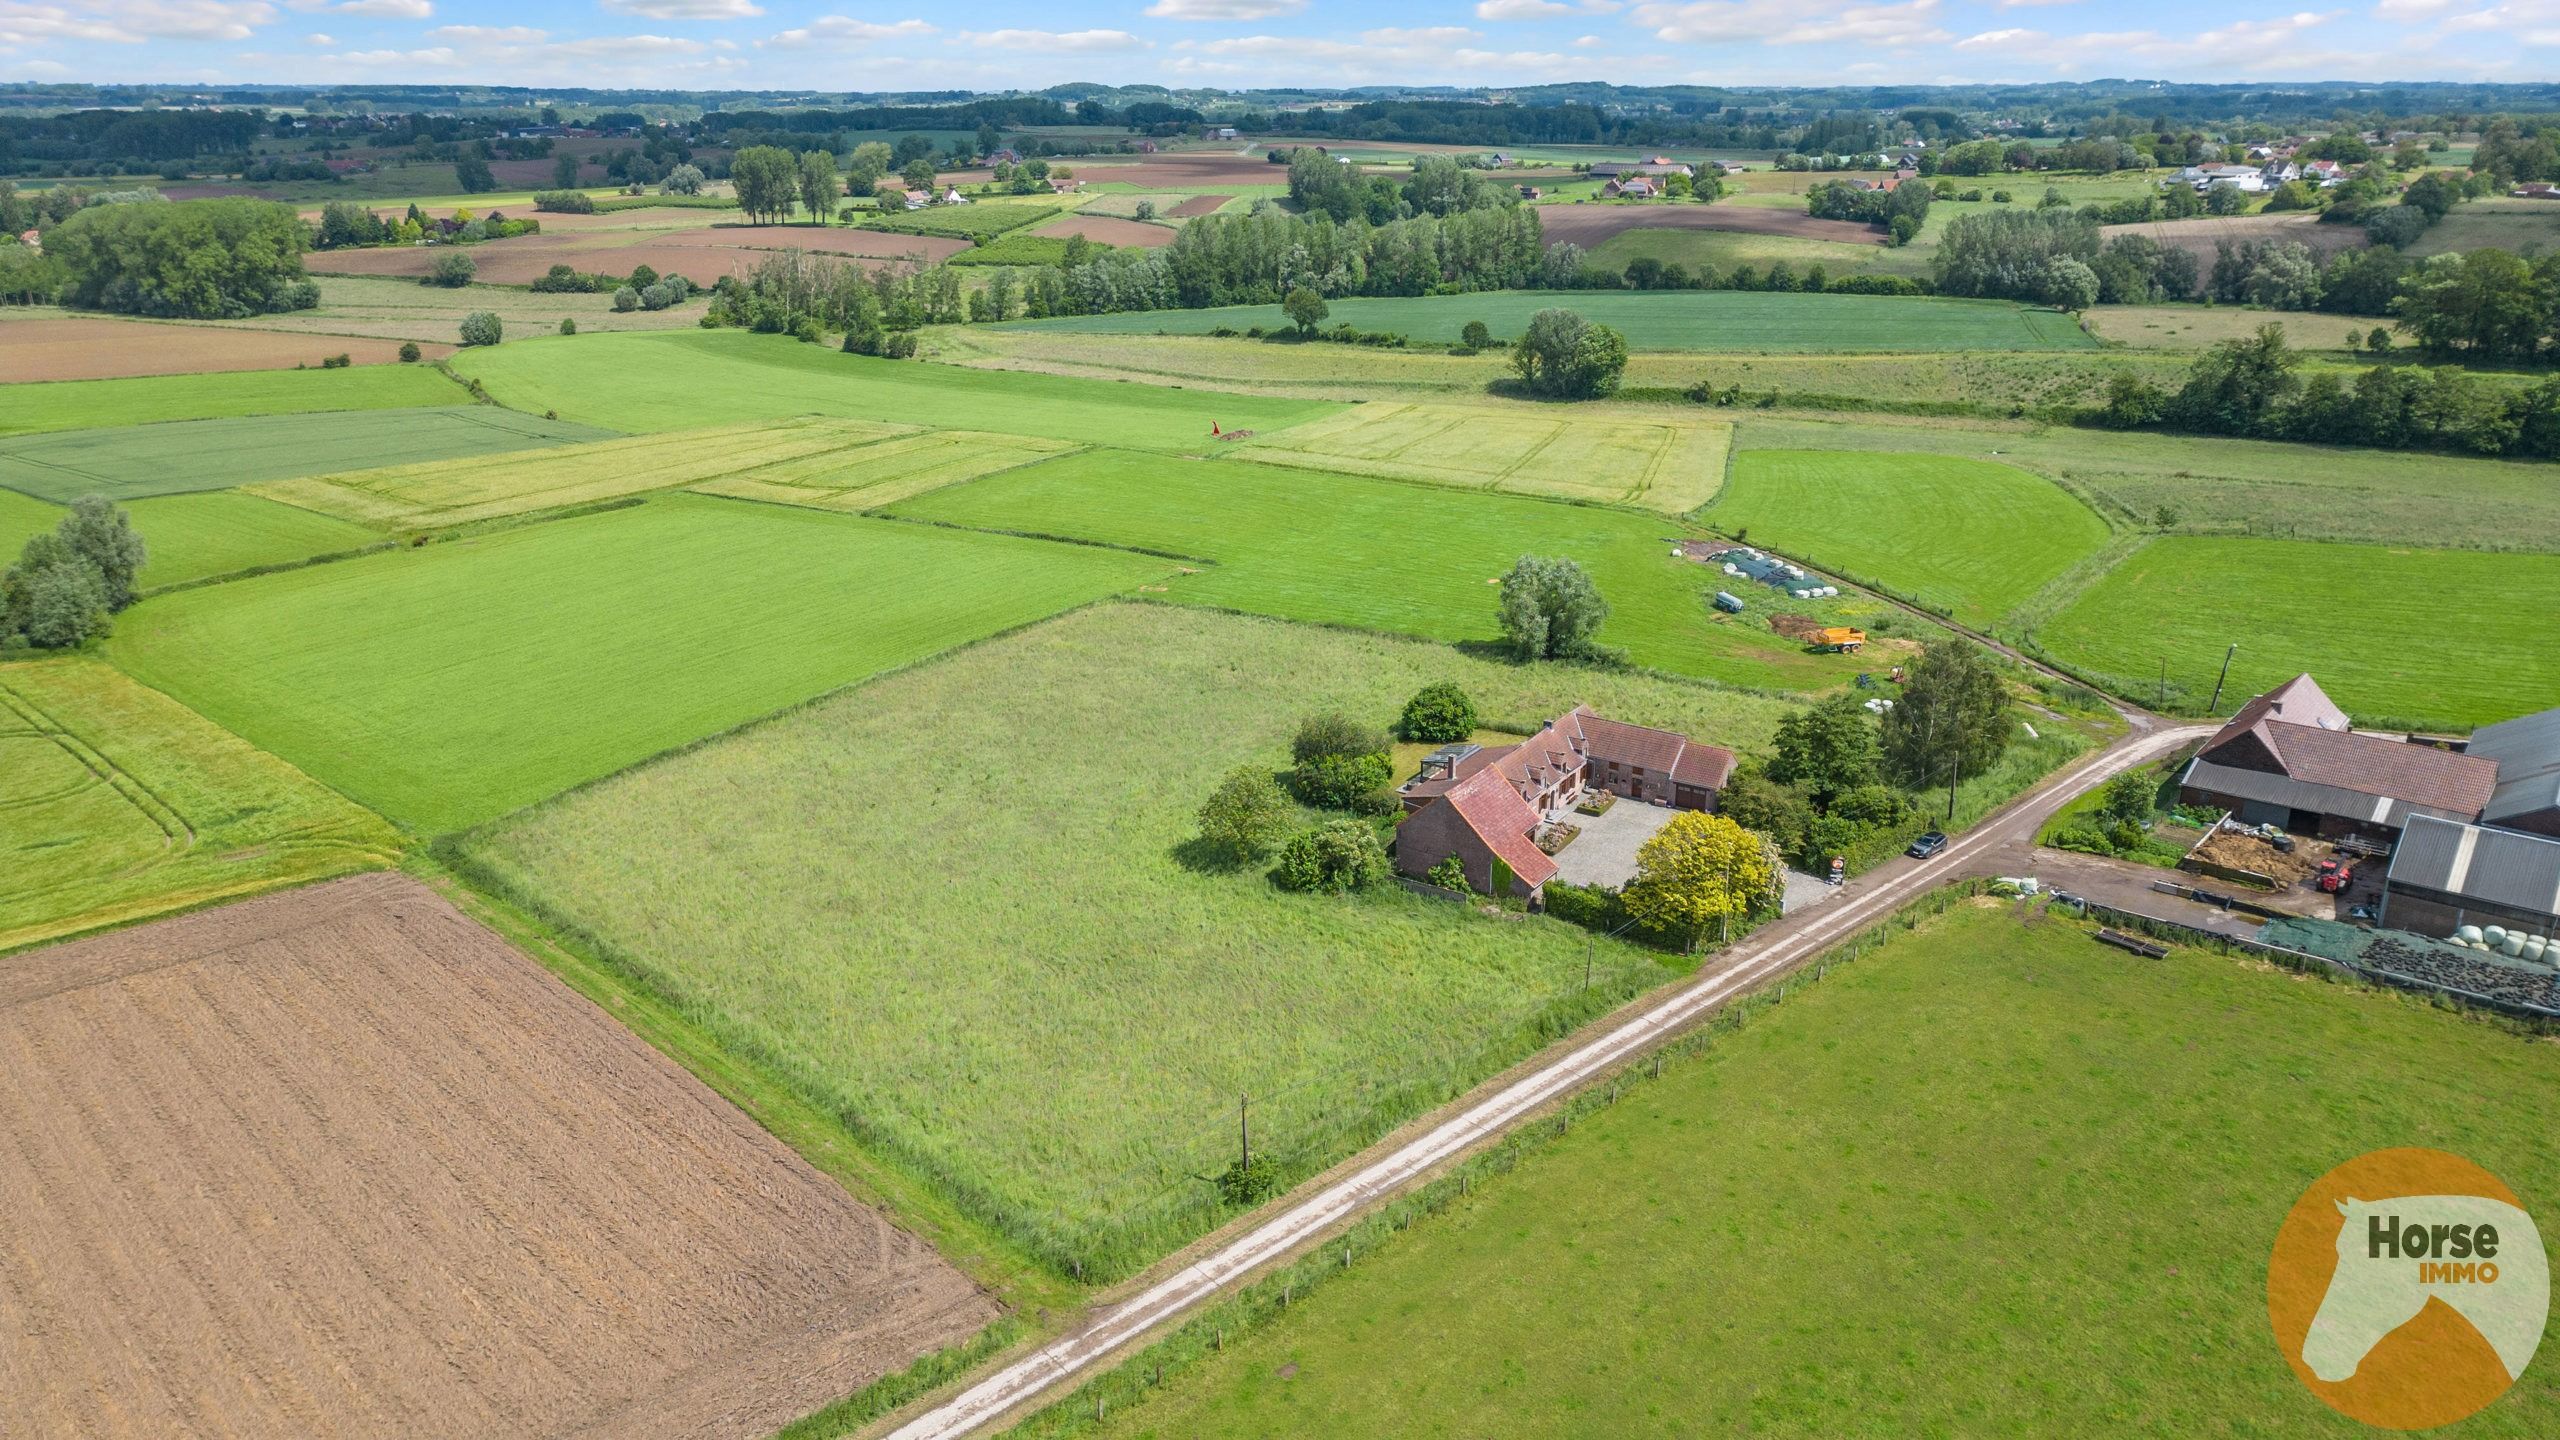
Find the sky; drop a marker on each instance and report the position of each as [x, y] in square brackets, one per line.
[884, 45]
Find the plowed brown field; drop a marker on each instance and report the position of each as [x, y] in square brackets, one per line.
[1588, 225]
[1104, 230]
[702, 254]
[78, 347]
[340, 1162]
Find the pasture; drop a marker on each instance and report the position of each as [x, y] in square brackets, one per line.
[118, 803]
[2500, 222]
[1988, 1154]
[1724, 251]
[127, 462]
[953, 907]
[1966, 537]
[883, 472]
[1710, 320]
[195, 537]
[445, 493]
[678, 380]
[1414, 559]
[449, 684]
[1668, 465]
[393, 308]
[86, 404]
[67, 347]
[2447, 638]
[343, 1162]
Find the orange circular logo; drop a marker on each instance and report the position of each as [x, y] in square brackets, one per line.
[2408, 1288]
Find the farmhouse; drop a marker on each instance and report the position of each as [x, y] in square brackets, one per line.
[2289, 758]
[1486, 803]
[1634, 188]
[1657, 166]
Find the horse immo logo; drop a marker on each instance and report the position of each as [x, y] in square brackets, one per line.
[2408, 1288]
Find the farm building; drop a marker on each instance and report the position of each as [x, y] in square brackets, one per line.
[2446, 875]
[1745, 563]
[1658, 166]
[2289, 758]
[2526, 751]
[1479, 802]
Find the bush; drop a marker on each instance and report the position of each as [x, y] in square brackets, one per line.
[1334, 858]
[899, 345]
[1334, 733]
[452, 270]
[339, 361]
[565, 202]
[482, 327]
[1249, 1180]
[1244, 816]
[409, 352]
[1476, 336]
[1437, 714]
[1450, 874]
[658, 296]
[626, 299]
[568, 325]
[1344, 782]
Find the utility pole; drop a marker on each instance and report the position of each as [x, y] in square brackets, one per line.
[2164, 682]
[1244, 1137]
[2216, 707]
[1955, 773]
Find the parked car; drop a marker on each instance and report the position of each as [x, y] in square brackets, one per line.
[1927, 845]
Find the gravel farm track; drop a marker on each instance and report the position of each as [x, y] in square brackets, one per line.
[1588, 225]
[341, 1162]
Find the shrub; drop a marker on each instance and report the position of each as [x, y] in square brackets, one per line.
[409, 352]
[1438, 714]
[1334, 733]
[899, 345]
[481, 327]
[568, 325]
[626, 299]
[1476, 336]
[1344, 782]
[452, 270]
[565, 202]
[658, 296]
[338, 361]
[1450, 874]
[1334, 858]
[1245, 815]
[1249, 1180]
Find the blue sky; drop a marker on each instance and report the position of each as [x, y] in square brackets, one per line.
[920, 44]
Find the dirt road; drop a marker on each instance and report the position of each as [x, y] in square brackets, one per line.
[1410, 1156]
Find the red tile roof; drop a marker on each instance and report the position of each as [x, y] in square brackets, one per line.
[2299, 700]
[1493, 809]
[2372, 765]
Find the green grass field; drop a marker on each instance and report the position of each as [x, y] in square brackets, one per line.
[149, 399]
[1970, 538]
[117, 802]
[2431, 637]
[1670, 465]
[1992, 1179]
[678, 380]
[1725, 251]
[453, 683]
[873, 476]
[193, 537]
[951, 906]
[1680, 320]
[445, 493]
[1416, 559]
[978, 220]
[130, 461]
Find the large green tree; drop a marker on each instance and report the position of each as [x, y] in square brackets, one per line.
[1550, 610]
[1245, 816]
[1951, 718]
[1828, 749]
[819, 186]
[767, 180]
[1565, 357]
[198, 259]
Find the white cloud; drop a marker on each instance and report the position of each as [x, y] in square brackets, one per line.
[435, 57]
[686, 9]
[1432, 53]
[2271, 46]
[1586, 42]
[1434, 35]
[316, 38]
[843, 30]
[1224, 9]
[1078, 42]
[1779, 22]
[386, 9]
[490, 34]
[1542, 9]
[131, 22]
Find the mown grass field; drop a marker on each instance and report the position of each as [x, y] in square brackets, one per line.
[1991, 1179]
[452, 683]
[1676, 320]
[127, 462]
[83, 404]
[444, 493]
[2432, 637]
[1668, 465]
[883, 472]
[953, 907]
[1964, 536]
[678, 380]
[1725, 251]
[117, 803]
[194, 537]
[1415, 559]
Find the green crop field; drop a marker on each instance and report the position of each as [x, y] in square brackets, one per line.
[1668, 465]
[149, 399]
[1991, 1179]
[978, 220]
[679, 380]
[1417, 559]
[451, 683]
[1675, 320]
[952, 907]
[131, 461]
[880, 474]
[457, 492]
[2431, 637]
[1725, 251]
[117, 802]
[194, 537]
[1970, 538]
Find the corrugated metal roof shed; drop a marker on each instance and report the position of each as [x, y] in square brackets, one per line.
[2269, 788]
[2527, 750]
[2475, 862]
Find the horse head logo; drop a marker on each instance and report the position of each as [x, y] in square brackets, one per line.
[2482, 1257]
